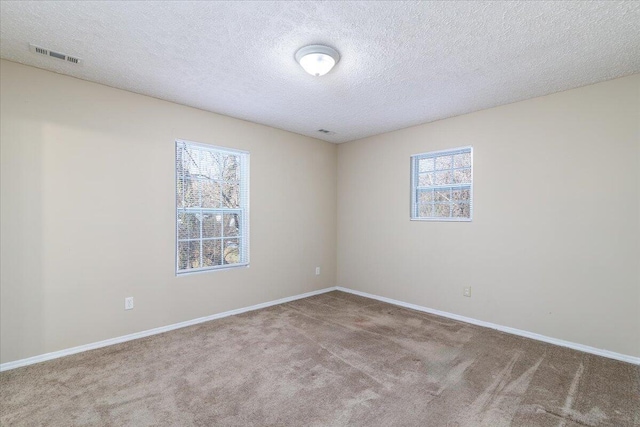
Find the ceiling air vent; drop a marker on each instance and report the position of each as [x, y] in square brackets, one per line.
[64, 57]
[326, 132]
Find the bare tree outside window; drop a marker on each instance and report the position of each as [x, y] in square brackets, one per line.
[442, 185]
[211, 207]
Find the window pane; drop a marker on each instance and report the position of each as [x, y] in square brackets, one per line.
[426, 179]
[231, 251]
[462, 176]
[231, 195]
[191, 162]
[194, 254]
[425, 196]
[188, 225]
[211, 253]
[443, 178]
[211, 225]
[231, 167]
[179, 193]
[210, 165]
[231, 225]
[442, 210]
[425, 210]
[189, 255]
[211, 194]
[425, 165]
[443, 195]
[461, 194]
[461, 210]
[183, 255]
[462, 160]
[180, 161]
[191, 193]
[443, 162]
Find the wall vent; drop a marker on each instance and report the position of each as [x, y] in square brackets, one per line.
[46, 52]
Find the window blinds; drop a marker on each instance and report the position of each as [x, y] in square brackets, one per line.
[212, 207]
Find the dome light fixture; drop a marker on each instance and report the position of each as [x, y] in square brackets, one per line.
[316, 59]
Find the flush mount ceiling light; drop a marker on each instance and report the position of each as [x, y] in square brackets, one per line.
[317, 60]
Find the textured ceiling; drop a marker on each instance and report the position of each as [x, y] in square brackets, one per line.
[403, 63]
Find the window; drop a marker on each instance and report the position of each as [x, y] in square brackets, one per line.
[442, 185]
[212, 207]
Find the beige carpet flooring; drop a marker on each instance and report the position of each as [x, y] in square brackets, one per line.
[331, 360]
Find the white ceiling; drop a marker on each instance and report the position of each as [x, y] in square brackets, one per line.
[403, 63]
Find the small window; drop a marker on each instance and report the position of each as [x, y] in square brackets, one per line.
[212, 207]
[442, 185]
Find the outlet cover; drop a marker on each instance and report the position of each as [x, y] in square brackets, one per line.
[467, 291]
[317, 271]
[128, 303]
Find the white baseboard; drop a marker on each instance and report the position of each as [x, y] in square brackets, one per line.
[56, 354]
[507, 329]
[69, 351]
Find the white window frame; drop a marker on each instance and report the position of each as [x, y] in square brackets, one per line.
[413, 213]
[244, 237]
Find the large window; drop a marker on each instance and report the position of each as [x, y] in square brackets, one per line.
[212, 200]
[442, 185]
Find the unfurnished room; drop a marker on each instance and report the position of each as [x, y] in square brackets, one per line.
[320, 213]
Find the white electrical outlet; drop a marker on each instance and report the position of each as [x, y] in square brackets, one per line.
[317, 271]
[467, 291]
[128, 303]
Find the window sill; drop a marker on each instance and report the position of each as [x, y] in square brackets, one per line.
[210, 269]
[443, 219]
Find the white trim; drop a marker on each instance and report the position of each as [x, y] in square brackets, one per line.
[79, 349]
[243, 210]
[67, 352]
[440, 152]
[444, 219]
[211, 146]
[415, 173]
[507, 329]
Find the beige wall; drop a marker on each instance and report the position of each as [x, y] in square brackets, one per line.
[554, 243]
[553, 247]
[78, 237]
